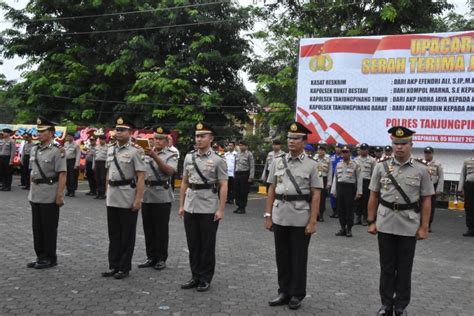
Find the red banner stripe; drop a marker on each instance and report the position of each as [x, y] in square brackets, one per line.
[365, 45]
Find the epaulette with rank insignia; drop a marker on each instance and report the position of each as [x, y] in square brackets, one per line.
[422, 161]
[384, 159]
[219, 154]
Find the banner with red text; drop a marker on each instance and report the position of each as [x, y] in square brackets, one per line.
[352, 90]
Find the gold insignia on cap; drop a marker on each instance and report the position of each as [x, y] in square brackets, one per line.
[399, 132]
[120, 120]
[199, 126]
[294, 127]
[38, 121]
[159, 130]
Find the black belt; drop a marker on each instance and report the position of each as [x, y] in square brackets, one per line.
[400, 207]
[156, 183]
[119, 183]
[289, 198]
[243, 171]
[197, 186]
[47, 180]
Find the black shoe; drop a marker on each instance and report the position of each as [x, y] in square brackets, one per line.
[147, 264]
[203, 286]
[401, 312]
[241, 211]
[469, 233]
[342, 232]
[282, 299]
[31, 264]
[321, 219]
[294, 303]
[90, 193]
[44, 264]
[109, 273]
[121, 275]
[190, 284]
[102, 197]
[385, 311]
[364, 222]
[333, 215]
[429, 230]
[349, 233]
[72, 194]
[229, 202]
[68, 193]
[237, 210]
[160, 265]
[97, 197]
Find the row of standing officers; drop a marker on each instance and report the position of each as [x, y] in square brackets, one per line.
[399, 207]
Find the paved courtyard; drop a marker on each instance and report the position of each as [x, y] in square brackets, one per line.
[342, 272]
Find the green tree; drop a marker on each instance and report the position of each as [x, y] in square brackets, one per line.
[289, 21]
[175, 61]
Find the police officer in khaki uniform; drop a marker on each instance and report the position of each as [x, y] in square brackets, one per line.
[378, 153]
[204, 176]
[346, 187]
[46, 196]
[7, 154]
[323, 163]
[161, 164]
[25, 160]
[73, 159]
[366, 164]
[466, 187]
[387, 152]
[243, 176]
[403, 184]
[291, 213]
[276, 152]
[436, 172]
[126, 182]
[90, 174]
[98, 165]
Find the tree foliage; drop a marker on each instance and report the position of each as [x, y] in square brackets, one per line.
[176, 61]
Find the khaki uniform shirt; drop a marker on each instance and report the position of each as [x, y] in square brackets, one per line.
[52, 161]
[367, 165]
[244, 161]
[268, 162]
[8, 148]
[73, 151]
[90, 153]
[467, 173]
[347, 173]
[100, 154]
[435, 169]
[303, 169]
[158, 194]
[323, 166]
[214, 169]
[130, 159]
[414, 179]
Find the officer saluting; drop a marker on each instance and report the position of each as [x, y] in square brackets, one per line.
[403, 184]
[205, 174]
[161, 164]
[126, 174]
[291, 213]
[46, 196]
